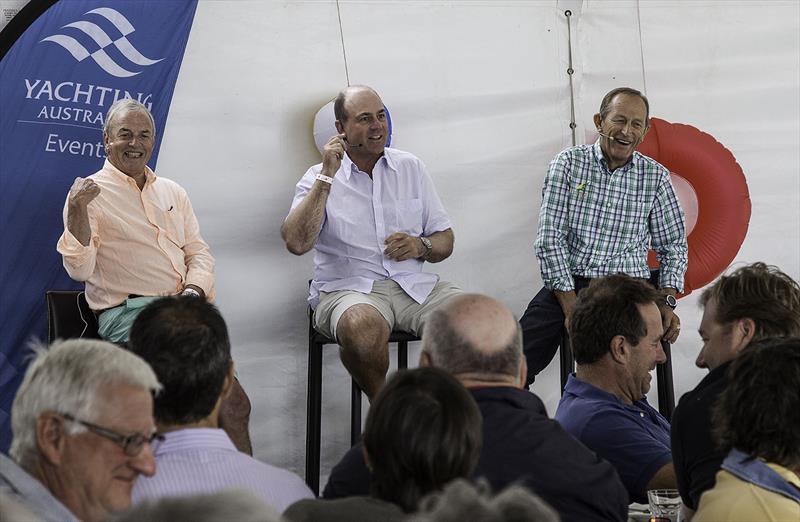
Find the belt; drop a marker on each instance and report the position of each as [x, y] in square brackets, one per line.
[98, 313]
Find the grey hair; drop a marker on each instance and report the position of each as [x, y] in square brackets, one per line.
[461, 501]
[126, 105]
[456, 355]
[229, 504]
[68, 378]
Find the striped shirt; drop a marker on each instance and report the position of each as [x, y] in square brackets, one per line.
[594, 222]
[203, 460]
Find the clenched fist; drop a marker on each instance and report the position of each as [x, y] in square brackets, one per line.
[82, 192]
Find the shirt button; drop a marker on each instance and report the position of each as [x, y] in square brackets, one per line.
[641, 414]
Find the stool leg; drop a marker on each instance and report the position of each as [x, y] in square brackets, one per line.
[313, 413]
[566, 360]
[355, 413]
[402, 355]
[666, 390]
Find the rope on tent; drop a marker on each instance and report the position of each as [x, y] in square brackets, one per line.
[570, 71]
[344, 51]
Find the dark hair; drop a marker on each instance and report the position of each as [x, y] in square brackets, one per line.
[606, 308]
[422, 431]
[605, 105]
[452, 352]
[754, 413]
[185, 340]
[759, 292]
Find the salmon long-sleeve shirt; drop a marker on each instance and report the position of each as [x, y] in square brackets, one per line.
[144, 242]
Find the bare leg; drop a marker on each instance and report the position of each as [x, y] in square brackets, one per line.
[363, 336]
[234, 417]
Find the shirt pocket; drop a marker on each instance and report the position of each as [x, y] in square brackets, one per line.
[172, 225]
[409, 216]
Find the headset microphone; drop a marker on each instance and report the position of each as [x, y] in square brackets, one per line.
[605, 135]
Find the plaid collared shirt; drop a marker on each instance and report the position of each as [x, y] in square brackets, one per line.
[594, 222]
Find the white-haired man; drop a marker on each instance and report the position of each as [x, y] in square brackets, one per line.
[83, 424]
[133, 237]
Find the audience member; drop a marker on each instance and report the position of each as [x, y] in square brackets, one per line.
[756, 424]
[477, 340]
[750, 304]
[83, 424]
[233, 505]
[604, 206]
[461, 501]
[422, 431]
[133, 237]
[186, 342]
[616, 332]
[373, 217]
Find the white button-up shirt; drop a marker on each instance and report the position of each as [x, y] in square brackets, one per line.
[361, 212]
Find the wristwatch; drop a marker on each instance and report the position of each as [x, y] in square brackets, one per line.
[671, 301]
[190, 291]
[428, 246]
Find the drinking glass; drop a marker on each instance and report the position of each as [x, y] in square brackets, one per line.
[664, 504]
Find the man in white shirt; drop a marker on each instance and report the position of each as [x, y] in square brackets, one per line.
[373, 217]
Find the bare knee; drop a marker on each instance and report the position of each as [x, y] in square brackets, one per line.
[362, 326]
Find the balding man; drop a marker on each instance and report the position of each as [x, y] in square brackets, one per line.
[478, 340]
[373, 217]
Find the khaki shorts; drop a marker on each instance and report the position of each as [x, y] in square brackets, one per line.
[400, 311]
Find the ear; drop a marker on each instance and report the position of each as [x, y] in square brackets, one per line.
[425, 359]
[597, 120]
[646, 130]
[523, 372]
[50, 436]
[618, 350]
[744, 330]
[227, 384]
[339, 127]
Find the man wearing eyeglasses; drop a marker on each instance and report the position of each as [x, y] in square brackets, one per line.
[83, 425]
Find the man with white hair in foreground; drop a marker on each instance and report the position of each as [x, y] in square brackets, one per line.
[83, 424]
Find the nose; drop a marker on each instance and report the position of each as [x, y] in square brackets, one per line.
[700, 362]
[661, 357]
[144, 462]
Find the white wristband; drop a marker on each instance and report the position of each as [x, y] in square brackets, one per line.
[326, 179]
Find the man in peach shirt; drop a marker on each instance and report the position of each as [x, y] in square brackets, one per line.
[130, 235]
[133, 237]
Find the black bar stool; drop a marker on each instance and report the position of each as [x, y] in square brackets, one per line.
[314, 406]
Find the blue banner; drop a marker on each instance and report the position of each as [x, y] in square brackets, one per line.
[56, 83]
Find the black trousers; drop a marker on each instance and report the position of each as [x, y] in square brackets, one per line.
[542, 324]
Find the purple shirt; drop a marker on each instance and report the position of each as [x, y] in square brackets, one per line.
[361, 212]
[204, 460]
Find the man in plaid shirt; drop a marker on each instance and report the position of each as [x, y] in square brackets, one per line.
[603, 206]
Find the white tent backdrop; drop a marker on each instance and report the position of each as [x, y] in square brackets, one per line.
[479, 91]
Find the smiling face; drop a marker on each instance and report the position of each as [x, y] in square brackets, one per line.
[366, 125]
[97, 472]
[129, 142]
[626, 122]
[645, 355]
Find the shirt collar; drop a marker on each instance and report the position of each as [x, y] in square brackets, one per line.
[348, 167]
[149, 175]
[598, 154]
[192, 438]
[589, 391]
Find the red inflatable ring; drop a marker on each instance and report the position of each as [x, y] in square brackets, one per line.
[712, 190]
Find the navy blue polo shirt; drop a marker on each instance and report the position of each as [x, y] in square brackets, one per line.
[634, 438]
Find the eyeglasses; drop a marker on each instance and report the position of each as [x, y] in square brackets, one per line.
[131, 444]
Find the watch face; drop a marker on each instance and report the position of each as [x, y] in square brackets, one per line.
[671, 301]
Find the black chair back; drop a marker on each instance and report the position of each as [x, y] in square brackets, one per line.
[69, 316]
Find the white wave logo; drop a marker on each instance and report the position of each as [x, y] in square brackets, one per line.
[80, 53]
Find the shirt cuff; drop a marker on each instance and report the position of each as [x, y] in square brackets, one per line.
[670, 280]
[560, 284]
[69, 246]
[203, 279]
